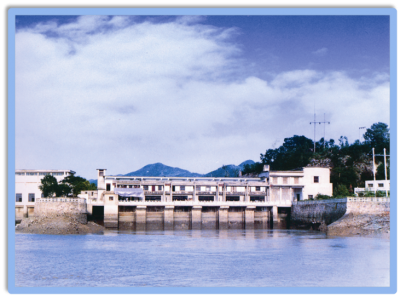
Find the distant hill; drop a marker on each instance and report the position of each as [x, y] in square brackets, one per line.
[159, 169]
[229, 170]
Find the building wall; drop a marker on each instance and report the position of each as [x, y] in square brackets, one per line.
[323, 186]
[54, 207]
[30, 180]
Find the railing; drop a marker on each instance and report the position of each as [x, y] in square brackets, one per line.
[205, 193]
[207, 203]
[235, 193]
[182, 192]
[62, 199]
[153, 192]
[369, 199]
[261, 193]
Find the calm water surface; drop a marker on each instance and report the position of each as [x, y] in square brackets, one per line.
[201, 258]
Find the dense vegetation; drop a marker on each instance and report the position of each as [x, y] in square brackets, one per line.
[351, 164]
[70, 185]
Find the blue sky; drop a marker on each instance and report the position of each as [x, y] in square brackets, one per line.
[194, 92]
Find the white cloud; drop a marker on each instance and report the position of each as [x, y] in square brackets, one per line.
[140, 93]
[320, 52]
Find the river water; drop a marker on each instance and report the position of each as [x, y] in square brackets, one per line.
[201, 258]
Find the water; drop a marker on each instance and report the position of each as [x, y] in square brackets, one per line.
[201, 258]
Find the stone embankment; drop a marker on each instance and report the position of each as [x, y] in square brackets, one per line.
[57, 225]
[59, 216]
[344, 217]
[361, 224]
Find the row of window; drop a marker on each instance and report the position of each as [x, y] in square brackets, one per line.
[40, 173]
[379, 185]
[174, 188]
[31, 197]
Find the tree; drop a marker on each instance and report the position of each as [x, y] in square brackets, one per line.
[295, 152]
[341, 191]
[378, 137]
[77, 184]
[48, 185]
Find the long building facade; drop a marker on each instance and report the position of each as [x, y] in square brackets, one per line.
[270, 191]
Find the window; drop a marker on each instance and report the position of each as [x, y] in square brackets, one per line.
[18, 197]
[173, 188]
[380, 185]
[43, 173]
[182, 188]
[310, 196]
[160, 188]
[208, 188]
[19, 173]
[111, 198]
[101, 173]
[108, 187]
[31, 173]
[370, 185]
[258, 189]
[316, 179]
[31, 197]
[198, 188]
[146, 188]
[136, 186]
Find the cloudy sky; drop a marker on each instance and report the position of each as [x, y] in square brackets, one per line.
[195, 92]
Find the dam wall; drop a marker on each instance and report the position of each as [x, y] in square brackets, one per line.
[316, 212]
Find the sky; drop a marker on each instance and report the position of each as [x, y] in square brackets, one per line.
[195, 92]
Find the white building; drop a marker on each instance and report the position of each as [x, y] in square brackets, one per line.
[27, 184]
[271, 187]
[373, 186]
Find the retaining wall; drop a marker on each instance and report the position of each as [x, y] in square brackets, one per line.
[328, 211]
[55, 207]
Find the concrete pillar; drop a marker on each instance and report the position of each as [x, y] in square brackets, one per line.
[111, 216]
[217, 193]
[169, 217]
[140, 217]
[224, 193]
[275, 216]
[89, 208]
[249, 217]
[25, 211]
[246, 194]
[195, 199]
[196, 217]
[223, 217]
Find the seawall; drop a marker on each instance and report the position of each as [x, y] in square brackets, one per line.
[320, 213]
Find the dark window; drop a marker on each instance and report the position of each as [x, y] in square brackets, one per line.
[173, 188]
[316, 179]
[101, 173]
[108, 187]
[380, 185]
[370, 185]
[153, 188]
[146, 188]
[160, 188]
[111, 198]
[258, 189]
[182, 188]
[310, 196]
[18, 197]
[198, 188]
[31, 197]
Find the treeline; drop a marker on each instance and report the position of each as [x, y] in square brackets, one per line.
[70, 186]
[351, 163]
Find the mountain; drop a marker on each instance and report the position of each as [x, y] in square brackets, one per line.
[229, 170]
[159, 169]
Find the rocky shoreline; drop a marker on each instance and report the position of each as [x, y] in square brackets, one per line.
[61, 225]
[361, 225]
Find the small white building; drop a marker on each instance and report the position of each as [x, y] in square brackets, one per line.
[373, 186]
[27, 184]
[303, 184]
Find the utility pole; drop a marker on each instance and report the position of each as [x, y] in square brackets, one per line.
[384, 156]
[315, 122]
